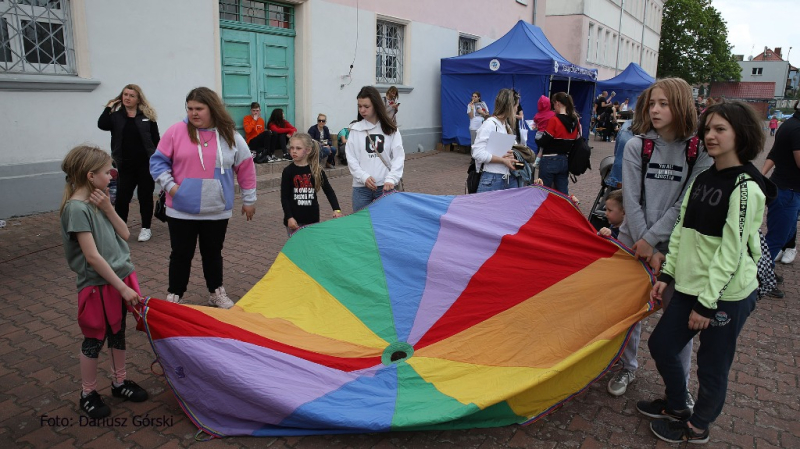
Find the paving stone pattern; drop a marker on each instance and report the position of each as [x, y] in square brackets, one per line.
[40, 338]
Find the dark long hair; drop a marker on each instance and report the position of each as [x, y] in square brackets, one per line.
[565, 99]
[277, 118]
[380, 109]
[222, 120]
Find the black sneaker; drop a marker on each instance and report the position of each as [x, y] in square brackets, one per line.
[776, 293]
[130, 391]
[677, 432]
[660, 409]
[94, 406]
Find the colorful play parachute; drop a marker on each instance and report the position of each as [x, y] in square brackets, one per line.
[419, 312]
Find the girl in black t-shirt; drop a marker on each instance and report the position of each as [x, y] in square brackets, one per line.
[300, 183]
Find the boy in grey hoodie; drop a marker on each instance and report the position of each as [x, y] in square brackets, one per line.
[670, 120]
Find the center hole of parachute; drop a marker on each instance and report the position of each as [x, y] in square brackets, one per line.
[397, 352]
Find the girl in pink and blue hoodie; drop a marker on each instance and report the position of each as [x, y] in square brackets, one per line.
[195, 163]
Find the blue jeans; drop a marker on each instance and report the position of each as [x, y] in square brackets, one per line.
[554, 171]
[714, 356]
[327, 154]
[363, 196]
[781, 220]
[495, 181]
[615, 177]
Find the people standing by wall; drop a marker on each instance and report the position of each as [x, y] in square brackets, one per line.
[134, 138]
[477, 111]
[375, 154]
[392, 103]
[195, 163]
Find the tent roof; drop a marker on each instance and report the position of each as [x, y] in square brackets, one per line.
[523, 50]
[632, 78]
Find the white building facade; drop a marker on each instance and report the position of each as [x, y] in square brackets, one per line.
[62, 61]
[606, 34]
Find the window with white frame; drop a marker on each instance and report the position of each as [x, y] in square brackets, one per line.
[466, 45]
[389, 54]
[36, 37]
[758, 70]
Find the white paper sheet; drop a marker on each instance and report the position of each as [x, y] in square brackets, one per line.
[499, 144]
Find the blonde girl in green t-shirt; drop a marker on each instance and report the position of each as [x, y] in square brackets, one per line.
[94, 244]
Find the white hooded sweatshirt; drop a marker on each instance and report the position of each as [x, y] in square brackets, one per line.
[365, 146]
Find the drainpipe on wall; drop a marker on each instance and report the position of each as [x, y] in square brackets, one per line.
[534, 11]
[641, 42]
[619, 36]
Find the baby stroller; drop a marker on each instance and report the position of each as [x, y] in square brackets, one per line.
[597, 215]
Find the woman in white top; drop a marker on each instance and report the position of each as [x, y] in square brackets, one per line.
[495, 169]
[477, 111]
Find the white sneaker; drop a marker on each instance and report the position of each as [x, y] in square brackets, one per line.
[779, 256]
[220, 299]
[172, 297]
[618, 384]
[789, 255]
[145, 234]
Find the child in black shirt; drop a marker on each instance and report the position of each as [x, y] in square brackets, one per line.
[300, 183]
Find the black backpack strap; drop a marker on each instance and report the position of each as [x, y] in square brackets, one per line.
[648, 145]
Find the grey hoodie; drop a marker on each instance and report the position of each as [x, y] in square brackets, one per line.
[665, 186]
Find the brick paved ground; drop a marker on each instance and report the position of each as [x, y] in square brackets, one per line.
[40, 338]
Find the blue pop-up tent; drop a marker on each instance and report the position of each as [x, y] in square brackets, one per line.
[522, 59]
[628, 84]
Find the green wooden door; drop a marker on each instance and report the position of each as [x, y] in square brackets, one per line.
[257, 66]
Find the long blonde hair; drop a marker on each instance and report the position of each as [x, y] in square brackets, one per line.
[505, 106]
[313, 157]
[143, 105]
[77, 164]
[681, 105]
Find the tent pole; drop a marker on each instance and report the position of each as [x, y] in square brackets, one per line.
[569, 83]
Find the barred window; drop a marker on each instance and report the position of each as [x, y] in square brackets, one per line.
[257, 12]
[36, 37]
[466, 45]
[389, 56]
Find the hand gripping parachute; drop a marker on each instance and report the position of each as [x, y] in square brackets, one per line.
[424, 312]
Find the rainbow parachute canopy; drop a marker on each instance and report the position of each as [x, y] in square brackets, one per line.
[425, 312]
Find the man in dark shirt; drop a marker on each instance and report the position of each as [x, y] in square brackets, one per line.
[783, 211]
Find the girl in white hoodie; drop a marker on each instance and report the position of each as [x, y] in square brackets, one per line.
[374, 150]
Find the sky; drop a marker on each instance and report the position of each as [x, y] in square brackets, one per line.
[755, 24]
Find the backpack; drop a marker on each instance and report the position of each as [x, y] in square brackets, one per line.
[579, 158]
[691, 151]
[524, 174]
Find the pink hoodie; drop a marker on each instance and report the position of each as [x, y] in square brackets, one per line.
[544, 115]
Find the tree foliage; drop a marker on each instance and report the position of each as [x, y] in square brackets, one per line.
[694, 43]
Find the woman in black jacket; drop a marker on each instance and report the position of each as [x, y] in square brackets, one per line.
[134, 138]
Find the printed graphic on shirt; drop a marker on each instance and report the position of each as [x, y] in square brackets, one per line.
[374, 144]
[668, 172]
[720, 319]
[303, 190]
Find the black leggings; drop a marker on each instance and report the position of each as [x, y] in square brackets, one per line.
[132, 175]
[183, 236]
[91, 346]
